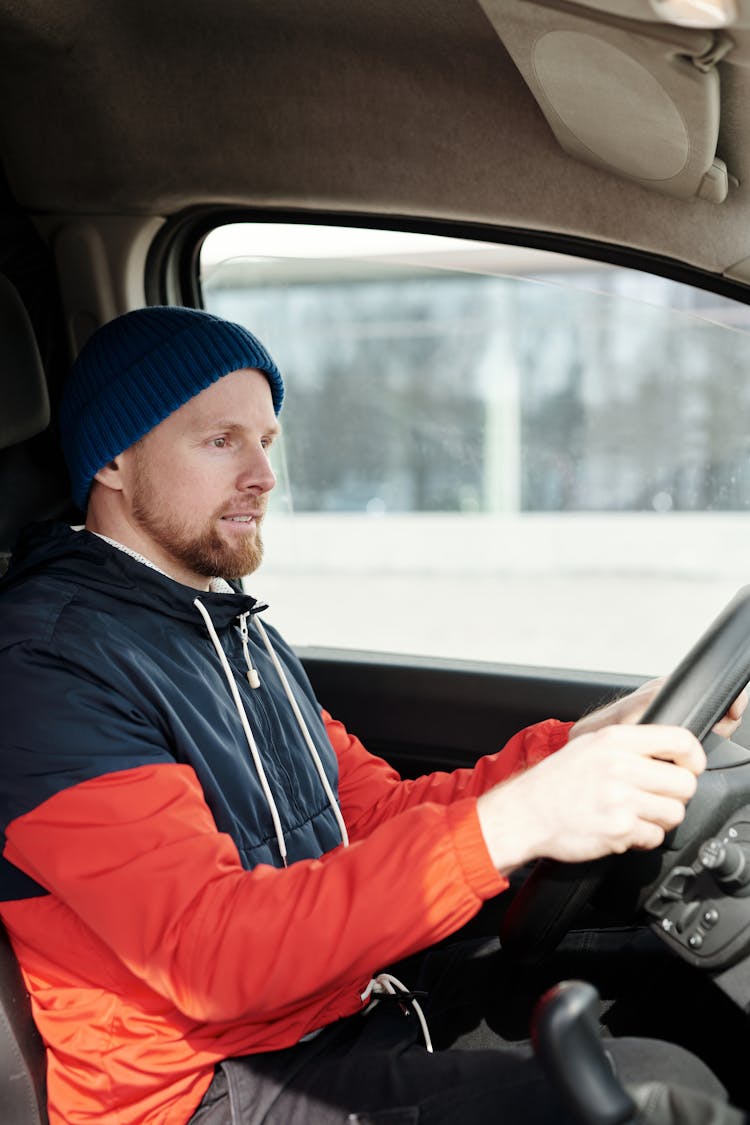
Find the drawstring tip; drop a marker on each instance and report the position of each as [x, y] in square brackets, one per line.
[253, 678]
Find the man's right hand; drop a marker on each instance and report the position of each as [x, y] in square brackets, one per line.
[620, 787]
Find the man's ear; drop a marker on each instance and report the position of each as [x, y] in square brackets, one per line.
[110, 475]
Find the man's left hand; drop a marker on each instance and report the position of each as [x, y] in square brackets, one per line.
[629, 709]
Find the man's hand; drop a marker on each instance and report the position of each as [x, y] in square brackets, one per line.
[630, 708]
[605, 792]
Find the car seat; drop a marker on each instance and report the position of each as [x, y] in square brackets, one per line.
[24, 412]
[23, 1064]
[31, 486]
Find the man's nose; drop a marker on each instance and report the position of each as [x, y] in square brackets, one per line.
[257, 474]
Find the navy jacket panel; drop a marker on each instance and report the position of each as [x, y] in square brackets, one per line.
[107, 665]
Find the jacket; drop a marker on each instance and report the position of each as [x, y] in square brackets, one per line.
[195, 868]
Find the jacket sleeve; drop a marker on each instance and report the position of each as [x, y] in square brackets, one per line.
[137, 857]
[371, 791]
[135, 854]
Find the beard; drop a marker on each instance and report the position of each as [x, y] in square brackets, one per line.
[204, 552]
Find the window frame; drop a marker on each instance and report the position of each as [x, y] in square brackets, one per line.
[173, 274]
[172, 264]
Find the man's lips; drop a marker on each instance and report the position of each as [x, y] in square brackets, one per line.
[243, 517]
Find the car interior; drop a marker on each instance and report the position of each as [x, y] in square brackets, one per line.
[612, 136]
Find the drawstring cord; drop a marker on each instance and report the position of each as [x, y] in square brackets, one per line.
[305, 732]
[253, 677]
[383, 985]
[246, 728]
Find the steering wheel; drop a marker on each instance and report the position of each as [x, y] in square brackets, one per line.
[696, 695]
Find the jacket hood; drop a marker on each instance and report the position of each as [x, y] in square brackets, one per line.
[82, 558]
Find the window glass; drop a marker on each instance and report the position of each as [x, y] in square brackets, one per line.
[491, 452]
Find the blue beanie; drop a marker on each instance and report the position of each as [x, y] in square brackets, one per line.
[138, 369]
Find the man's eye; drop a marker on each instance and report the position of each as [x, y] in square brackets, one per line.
[218, 442]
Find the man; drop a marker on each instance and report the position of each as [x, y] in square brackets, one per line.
[199, 864]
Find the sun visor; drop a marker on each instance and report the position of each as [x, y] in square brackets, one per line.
[639, 99]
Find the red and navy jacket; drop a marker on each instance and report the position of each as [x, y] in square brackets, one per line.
[141, 880]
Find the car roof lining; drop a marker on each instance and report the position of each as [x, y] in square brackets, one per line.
[340, 105]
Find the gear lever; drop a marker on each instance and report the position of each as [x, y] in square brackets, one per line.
[566, 1038]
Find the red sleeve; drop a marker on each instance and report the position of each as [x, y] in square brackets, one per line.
[137, 857]
[371, 792]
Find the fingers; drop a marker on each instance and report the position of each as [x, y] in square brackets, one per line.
[664, 743]
[664, 813]
[648, 775]
[737, 710]
[648, 836]
[729, 723]
[665, 778]
[644, 822]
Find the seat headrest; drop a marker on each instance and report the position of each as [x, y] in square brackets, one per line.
[24, 402]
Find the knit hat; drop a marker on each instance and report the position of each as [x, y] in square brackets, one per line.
[139, 368]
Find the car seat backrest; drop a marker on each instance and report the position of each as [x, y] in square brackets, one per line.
[25, 403]
[25, 492]
[23, 1093]
[24, 412]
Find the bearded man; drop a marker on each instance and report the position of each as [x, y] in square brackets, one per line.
[204, 874]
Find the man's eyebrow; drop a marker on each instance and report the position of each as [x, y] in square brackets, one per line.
[226, 425]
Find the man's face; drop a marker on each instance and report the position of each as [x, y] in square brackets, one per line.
[197, 485]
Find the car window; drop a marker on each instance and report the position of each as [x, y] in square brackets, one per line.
[492, 452]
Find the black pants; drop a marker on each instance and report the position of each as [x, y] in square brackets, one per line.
[373, 1068]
